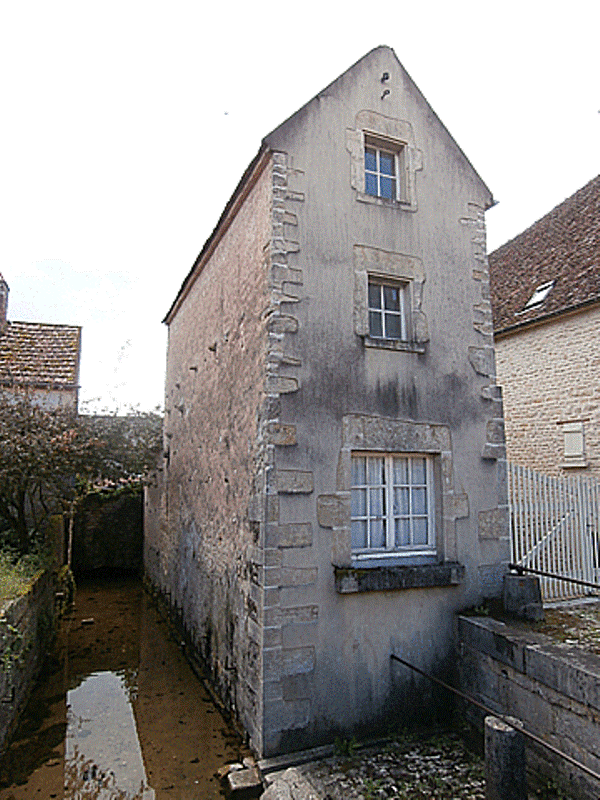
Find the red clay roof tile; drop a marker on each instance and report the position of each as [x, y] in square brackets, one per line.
[564, 247]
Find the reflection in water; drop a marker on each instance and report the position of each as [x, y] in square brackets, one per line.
[118, 713]
[103, 754]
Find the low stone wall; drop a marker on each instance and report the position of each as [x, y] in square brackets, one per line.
[553, 688]
[26, 628]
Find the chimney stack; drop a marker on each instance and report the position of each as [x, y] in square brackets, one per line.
[3, 302]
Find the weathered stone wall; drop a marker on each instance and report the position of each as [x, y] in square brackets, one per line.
[553, 688]
[327, 661]
[272, 384]
[549, 376]
[26, 628]
[108, 533]
[199, 538]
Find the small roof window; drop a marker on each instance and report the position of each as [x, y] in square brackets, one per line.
[539, 295]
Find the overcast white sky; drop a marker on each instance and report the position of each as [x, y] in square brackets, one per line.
[127, 124]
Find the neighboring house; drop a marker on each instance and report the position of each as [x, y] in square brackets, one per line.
[545, 287]
[40, 358]
[333, 485]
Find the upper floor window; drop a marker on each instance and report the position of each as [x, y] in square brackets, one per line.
[384, 169]
[388, 310]
[392, 504]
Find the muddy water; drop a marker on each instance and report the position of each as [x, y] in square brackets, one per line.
[118, 714]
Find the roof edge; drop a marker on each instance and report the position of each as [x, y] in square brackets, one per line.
[241, 191]
[532, 323]
[275, 131]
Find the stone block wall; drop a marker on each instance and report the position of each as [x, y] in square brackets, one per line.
[26, 628]
[554, 689]
[201, 543]
[549, 376]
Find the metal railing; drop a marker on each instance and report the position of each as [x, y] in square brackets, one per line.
[554, 528]
[506, 720]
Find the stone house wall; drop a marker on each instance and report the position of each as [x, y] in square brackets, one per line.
[549, 376]
[198, 537]
[274, 384]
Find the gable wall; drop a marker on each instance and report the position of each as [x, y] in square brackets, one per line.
[549, 375]
[328, 669]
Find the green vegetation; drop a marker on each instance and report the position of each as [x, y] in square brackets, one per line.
[17, 574]
[51, 458]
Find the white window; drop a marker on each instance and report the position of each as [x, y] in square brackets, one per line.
[383, 169]
[539, 295]
[392, 506]
[388, 310]
[574, 444]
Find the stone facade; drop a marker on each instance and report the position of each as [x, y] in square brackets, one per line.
[275, 384]
[546, 304]
[549, 377]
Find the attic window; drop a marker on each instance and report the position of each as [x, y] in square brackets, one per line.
[384, 168]
[539, 295]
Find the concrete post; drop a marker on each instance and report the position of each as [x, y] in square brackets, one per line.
[504, 761]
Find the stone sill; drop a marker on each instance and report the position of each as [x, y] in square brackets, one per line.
[575, 464]
[402, 205]
[394, 344]
[383, 579]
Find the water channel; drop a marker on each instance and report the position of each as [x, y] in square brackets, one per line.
[118, 713]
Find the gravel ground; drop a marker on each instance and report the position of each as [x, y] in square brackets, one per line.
[407, 768]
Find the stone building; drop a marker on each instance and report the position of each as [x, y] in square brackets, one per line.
[545, 287]
[40, 358]
[333, 486]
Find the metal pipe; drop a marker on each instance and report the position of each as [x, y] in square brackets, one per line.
[502, 717]
[520, 569]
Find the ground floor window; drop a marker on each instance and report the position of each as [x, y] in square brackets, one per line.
[392, 503]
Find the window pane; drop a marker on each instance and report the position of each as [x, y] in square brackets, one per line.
[378, 533]
[393, 326]
[377, 503]
[371, 184]
[374, 295]
[402, 507]
[391, 298]
[370, 159]
[386, 163]
[359, 502]
[359, 471]
[359, 534]
[419, 471]
[375, 471]
[420, 530]
[419, 501]
[400, 471]
[402, 532]
[388, 188]
[375, 324]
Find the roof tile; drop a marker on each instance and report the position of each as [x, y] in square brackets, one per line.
[40, 354]
[564, 247]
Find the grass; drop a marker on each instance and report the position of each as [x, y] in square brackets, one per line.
[17, 574]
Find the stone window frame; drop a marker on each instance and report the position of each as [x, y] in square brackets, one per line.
[379, 434]
[395, 135]
[382, 266]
